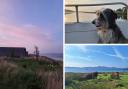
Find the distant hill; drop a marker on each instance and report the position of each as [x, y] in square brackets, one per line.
[95, 69]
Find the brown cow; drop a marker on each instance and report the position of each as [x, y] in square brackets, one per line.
[115, 75]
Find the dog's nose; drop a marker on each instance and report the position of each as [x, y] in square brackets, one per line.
[93, 22]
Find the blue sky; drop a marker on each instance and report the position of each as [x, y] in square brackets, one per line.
[96, 55]
[27, 23]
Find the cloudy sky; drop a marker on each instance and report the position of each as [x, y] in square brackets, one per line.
[26, 23]
[91, 56]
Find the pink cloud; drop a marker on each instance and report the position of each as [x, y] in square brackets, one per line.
[26, 36]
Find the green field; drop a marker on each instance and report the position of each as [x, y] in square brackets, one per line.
[30, 74]
[103, 81]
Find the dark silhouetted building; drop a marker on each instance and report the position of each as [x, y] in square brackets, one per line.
[13, 52]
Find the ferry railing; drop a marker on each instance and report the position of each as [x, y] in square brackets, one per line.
[101, 4]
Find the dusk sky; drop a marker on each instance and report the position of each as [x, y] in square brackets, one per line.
[96, 55]
[26, 23]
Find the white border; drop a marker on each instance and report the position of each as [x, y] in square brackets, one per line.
[99, 44]
[63, 44]
[82, 44]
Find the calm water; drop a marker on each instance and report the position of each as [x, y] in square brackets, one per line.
[56, 56]
[89, 70]
[88, 17]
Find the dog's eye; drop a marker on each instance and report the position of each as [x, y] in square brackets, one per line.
[101, 16]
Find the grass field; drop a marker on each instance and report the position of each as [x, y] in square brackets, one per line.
[30, 74]
[103, 81]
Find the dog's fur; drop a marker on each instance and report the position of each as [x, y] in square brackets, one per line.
[107, 29]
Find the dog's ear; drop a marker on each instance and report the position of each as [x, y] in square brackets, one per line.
[111, 13]
[115, 15]
[111, 16]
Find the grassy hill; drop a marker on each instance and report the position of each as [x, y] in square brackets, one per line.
[17, 73]
[103, 81]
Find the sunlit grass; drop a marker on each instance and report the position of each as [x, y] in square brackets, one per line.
[103, 81]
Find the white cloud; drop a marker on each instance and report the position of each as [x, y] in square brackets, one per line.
[82, 48]
[76, 57]
[119, 55]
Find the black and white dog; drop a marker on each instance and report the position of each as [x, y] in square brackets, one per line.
[107, 29]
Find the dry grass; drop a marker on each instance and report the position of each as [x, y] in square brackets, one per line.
[53, 79]
[11, 72]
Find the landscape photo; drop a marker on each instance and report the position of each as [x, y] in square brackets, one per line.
[96, 67]
[31, 44]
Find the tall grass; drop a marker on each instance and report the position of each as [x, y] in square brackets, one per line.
[30, 74]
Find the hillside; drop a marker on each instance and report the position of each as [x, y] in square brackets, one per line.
[103, 81]
[28, 73]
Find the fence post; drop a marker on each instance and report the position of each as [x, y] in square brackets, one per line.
[77, 14]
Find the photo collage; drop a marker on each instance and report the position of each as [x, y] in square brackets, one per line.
[64, 44]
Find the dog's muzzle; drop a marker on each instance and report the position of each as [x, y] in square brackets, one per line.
[96, 22]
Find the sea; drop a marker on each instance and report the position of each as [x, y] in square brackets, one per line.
[55, 56]
[94, 69]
